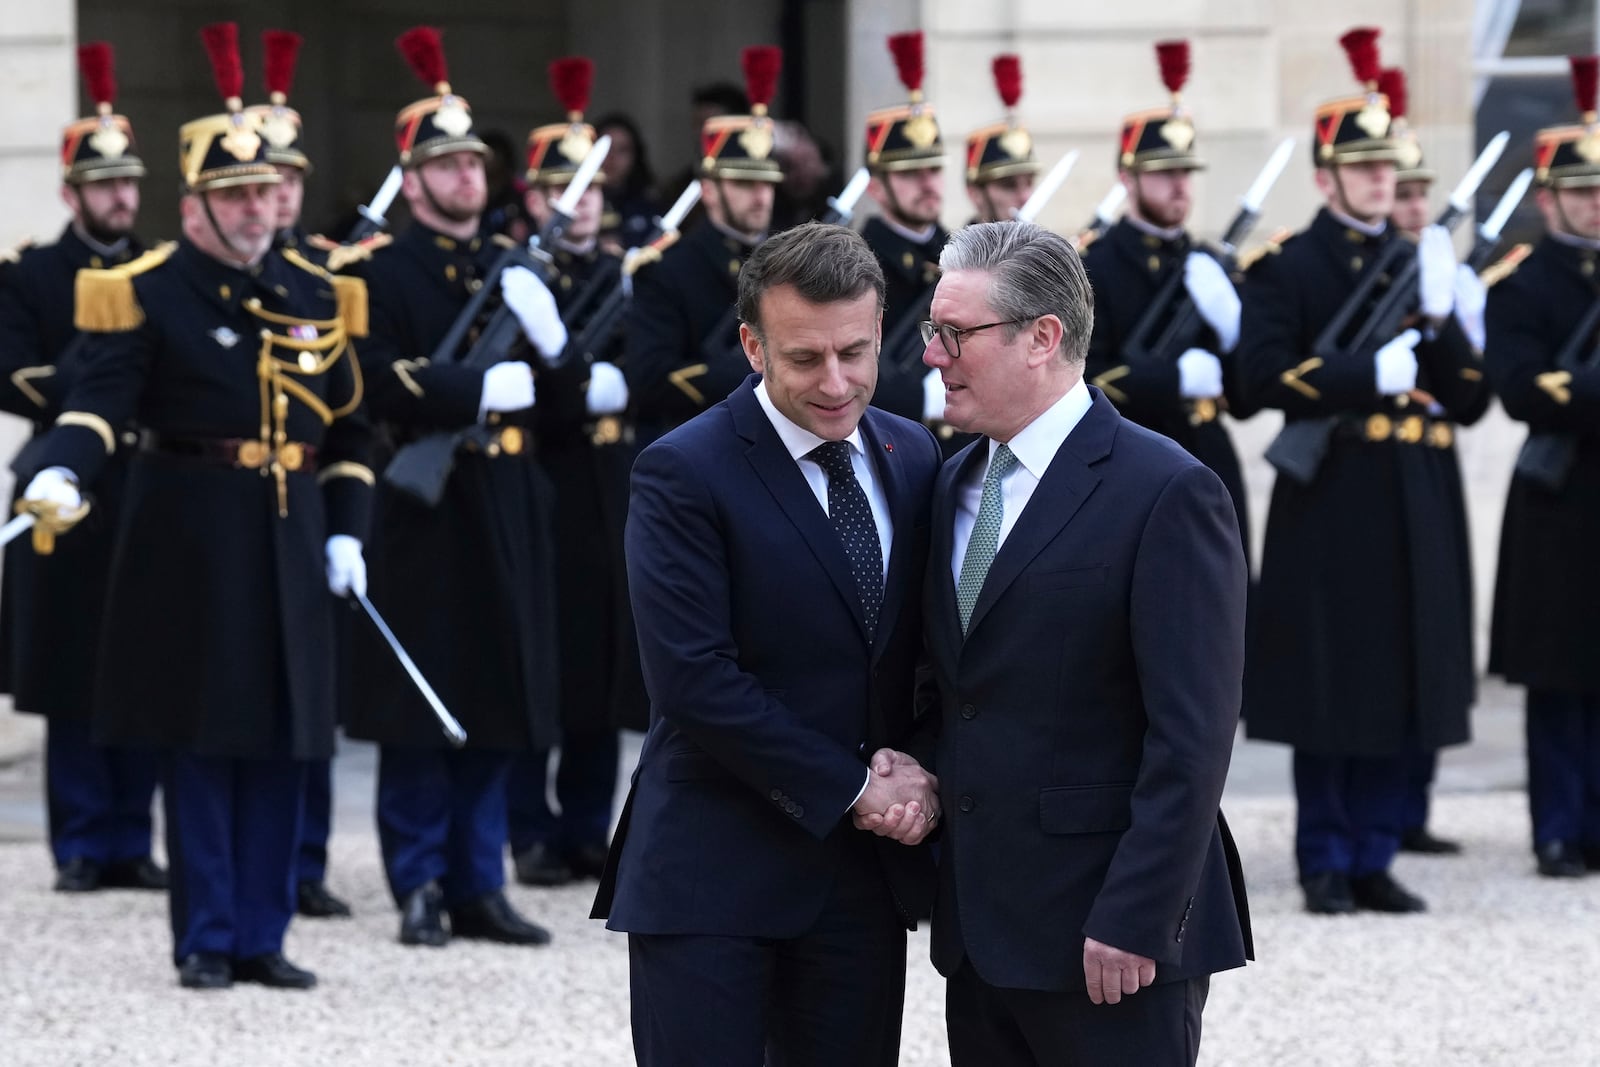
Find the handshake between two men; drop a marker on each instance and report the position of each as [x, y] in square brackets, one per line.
[901, 800]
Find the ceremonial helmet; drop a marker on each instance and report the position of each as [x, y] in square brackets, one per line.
[906, 136]
[436, 125]
[280, 123]
[1357, 129]
[741, 146]
[100, 146]
[1162, 138]
[218, 151]
[1569, 156]
[1004, 148]
[556, 151]
[1409, 168]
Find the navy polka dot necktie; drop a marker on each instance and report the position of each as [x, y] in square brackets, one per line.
[852, 520]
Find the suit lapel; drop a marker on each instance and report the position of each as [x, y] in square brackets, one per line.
[781, 475]
[892, 476]
[1066, 484]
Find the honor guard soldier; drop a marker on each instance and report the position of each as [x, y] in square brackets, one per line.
[1411, 216]
[683, 329]
[281, 130]
[586, 449]
[1144, 270]
[1001, 165]
[464, 581]
[1542, 324]
[98, 799]
[1361, 651]
[905, 155]
[244, 506]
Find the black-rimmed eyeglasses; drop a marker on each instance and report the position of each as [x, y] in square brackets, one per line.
[950, 336]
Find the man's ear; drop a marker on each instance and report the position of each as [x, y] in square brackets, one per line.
[751, 342]
[1044, 340]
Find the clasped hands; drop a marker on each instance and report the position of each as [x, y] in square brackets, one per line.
[901, 801]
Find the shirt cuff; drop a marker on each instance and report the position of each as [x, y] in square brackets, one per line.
[861, 794]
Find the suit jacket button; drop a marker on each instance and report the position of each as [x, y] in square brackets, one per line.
[777, 794]
[968, 711]
[966, 803]
[798, 812]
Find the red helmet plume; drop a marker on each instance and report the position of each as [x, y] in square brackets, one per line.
[222, 46]
[761, 64]
[424, 53]
[1173, 59]
[280, 49]
[907, 51]
[572, 80]
[1361, 45]
[1008, 79]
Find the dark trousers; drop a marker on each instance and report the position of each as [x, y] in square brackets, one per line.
[312, 864]
[1348, 812]
[442, 818]
[1564, 767]
[232, 828]
[831, 997]
[1159, 1026]
[586, 785]
[98, 798]
[1421, 767]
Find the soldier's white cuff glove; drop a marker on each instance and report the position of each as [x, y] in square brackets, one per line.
[932, 397]
[1436, 271]
[535, 308]
[608, 390]
[1471, 297]
[54, 485]
[1199, 375]
[506, 387]
[1397, 365]
[1214, 297]
[347, 571]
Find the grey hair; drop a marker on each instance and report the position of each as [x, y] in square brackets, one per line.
[1032, 272]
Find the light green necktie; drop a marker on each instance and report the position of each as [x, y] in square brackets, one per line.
[985, 540]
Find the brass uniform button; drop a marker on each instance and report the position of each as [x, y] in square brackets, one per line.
[511, 442]
[292, 455]
[1379, 427]
[253, 454]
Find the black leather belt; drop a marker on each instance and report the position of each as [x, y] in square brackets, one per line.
[245, 453]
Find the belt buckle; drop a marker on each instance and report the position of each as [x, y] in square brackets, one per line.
[1378, 427]
[1441, 435]
[1410, 430]
[252, 454]
[292, 455]
[607, 431]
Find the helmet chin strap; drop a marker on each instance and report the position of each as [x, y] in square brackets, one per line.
[205, 204]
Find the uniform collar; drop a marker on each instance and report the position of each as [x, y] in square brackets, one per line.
[87, 252]
[227, 286]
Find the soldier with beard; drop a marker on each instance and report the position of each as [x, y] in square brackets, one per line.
[905, 154]
[586, 448]
[464, 583]
[1177, 393]
[683, 329]
[98, 798]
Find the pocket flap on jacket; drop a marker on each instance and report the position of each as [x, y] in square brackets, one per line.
[1085, 809]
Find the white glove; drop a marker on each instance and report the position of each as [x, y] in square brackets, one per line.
[1436, 274]
[1397, 365]
[347, 571]
[1214, 296]
[535, 308]
[608, 390]
[1471, 297]
[506, 387]
[932, 397]
[1199, 375]
[54, 485]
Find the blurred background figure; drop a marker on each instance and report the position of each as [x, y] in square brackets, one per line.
[632, 199]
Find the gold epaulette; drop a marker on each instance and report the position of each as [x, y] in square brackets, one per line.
[500, 240]
[14, 253]
[1505, 266]
[341, 256]
[1270, 247]
[104, 300]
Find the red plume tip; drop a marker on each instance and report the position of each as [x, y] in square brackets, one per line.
[1361, 45]
[572, 80]
[280, 49]
[424, 53]
[222, 45]
[761, 64]
[1008, 79]
[907, 51]
[94, 60]
[1585, 77]
[1392, 83]
[1173, 59]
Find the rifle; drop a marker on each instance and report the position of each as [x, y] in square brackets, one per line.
[374, 218]
[1367, 319]
[1546, 459]
[1172, 304]
[421, 469]
[1105, 216]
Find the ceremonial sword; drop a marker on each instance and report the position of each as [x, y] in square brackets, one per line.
[447, 722]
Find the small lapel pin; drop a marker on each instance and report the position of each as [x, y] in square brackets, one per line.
[888, 446]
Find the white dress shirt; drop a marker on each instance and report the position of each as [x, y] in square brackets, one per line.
[1035, 445]
[801, 441]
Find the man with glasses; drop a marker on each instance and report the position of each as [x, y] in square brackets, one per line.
[1085, 622]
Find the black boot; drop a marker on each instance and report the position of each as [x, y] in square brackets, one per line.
[205, 970]
[274, 972]
[1419, 840]
[541, 865]
[79, 875]
[492, 918]
[1557, 859]
[421, 917]
[1380, 892]
[1328, 893]
[313, 900]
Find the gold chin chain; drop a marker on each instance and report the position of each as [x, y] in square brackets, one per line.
[316, 345]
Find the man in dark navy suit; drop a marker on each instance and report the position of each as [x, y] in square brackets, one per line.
[1085, 614]
[775, 544]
